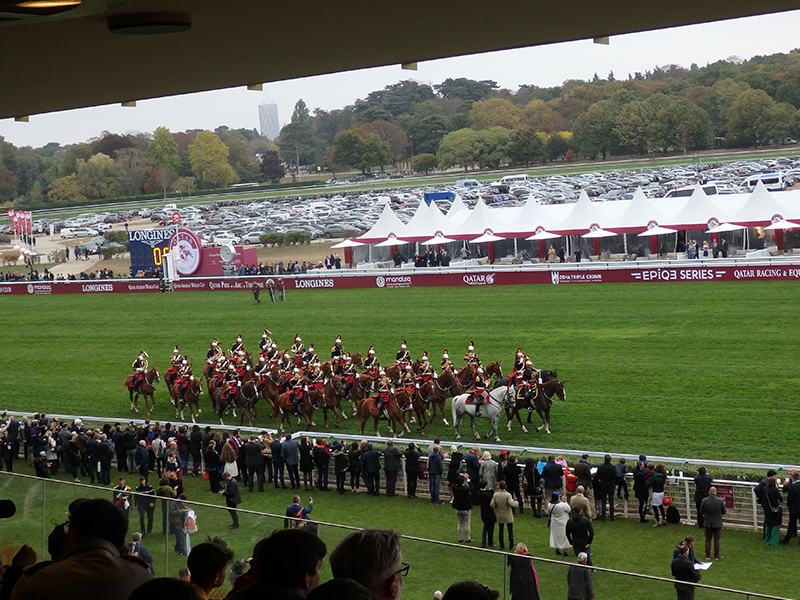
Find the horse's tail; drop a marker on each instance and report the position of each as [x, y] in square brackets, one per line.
[453, 407]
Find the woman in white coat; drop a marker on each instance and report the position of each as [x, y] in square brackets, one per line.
[559, 510]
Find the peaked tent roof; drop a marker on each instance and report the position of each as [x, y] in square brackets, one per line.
[426, 222]
[583, 215]
[638, 214]
[479, 220]
[387, 223]
[759, 208]
[524, 221]
[696, 213]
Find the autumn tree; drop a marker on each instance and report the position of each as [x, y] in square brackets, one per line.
[360, 149]
[209, 160]
[163, 153]
[395, 138]
[66, 190]
[594, 129]
[494, 112]
[96, 177]
[424, 162]
[540, 117]
[526, 146]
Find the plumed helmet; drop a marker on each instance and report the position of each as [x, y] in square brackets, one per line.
[382, 372]
[274, 346]
[231, 368]
[239, 338]
[348, 358]
[286, 355]
[241, 352]
[528, 363]
[338, 339]
[311, 348]
[403, 345]
[445, 356]
[519, 351]
[214, 343]
[265, 334]
[296, 370]
[143, 353]
[262, 359]
[184, 362]
[175, 351]
[370, 351]
[297, 338]
[471, 346]
[480, 370]
[408, 367]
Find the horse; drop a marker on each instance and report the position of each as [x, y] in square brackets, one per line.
[221, 401]
[541, 400]
[146, 389]
[270, 386]
[544, 375]
[191, 398]
[494, 368]
[434, 393]
[304, 409]
[368, 408]
[362, 386]
[329, 397]
[498, 399]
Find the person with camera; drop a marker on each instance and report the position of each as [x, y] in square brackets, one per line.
[41, 466]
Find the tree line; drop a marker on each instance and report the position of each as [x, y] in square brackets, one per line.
[457, 123]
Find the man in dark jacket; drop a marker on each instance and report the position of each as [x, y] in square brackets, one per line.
[604, 484]
[277, 463]
[462, 504]
[580, 534]
[119, 447]
[391, 464]
[553, 475]
[129, 439]
[142, 459]
[254, 462]
[104, 454]
[702, 484]
[435, 470]
[371, 466]
[196, 449]
[412, 456]
[473, 467]
[488, 516]
[711, 509]
[91, 456]
[791, 490]
[683, 570]
[41, 466]
[290, 452]
[232, 498]
[579, 580]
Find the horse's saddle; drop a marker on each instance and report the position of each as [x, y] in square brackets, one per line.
[376, 400]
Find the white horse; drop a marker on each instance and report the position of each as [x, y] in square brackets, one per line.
[499, 398]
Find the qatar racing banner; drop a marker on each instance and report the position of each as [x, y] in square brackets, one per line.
[387, 281]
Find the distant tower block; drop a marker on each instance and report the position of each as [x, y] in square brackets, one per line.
[268, 119]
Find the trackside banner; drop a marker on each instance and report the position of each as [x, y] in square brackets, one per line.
[387, 281]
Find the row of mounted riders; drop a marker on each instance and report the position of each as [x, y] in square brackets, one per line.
[297, 384]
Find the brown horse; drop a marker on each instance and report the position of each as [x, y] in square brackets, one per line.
[396, 415]
[329, 398]
[270, 387]
[362, 386]
[494, 368]
[285, 410]
[539, 398]
[435, 393]
[415, 401]
[146, 389]
[191, 398]
[230, 397]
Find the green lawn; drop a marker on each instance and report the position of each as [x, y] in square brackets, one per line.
[696, 370]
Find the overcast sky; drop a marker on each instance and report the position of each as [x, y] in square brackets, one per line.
[544, 66]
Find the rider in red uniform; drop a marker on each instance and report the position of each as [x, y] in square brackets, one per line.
[480, 393]
[139, 369]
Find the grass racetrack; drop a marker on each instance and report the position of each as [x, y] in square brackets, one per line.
[694, 370]
[700, 370]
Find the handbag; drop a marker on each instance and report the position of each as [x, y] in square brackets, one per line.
[774, 509]
[667, 499]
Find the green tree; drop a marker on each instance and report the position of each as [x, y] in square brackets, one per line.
[424, 162]
[780, 122]
[163, 153]
[632, 124]
[494, 112]
[8, 184]
[300, 113]
[297, 143]
[466, 89]
[594, 130]
[394, 137]
[428, 133]
[557, 146]
[96, 177]
[209, 159]
[460, 147]
[493, 146]
[681, 124]
[373, 113]
[184, 185]
[747, 116]
[360, 149]
[132, 169]
[526, 146]
[540, 117]
[272, 169]
[66, 189]
[71, 156]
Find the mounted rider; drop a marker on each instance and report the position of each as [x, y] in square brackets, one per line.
[408, 380]
[349, 374]
[479, 394]
[266, 341]
[175, 363]
[371, 365]
[139, 369]
[297, 349]
[315, 376]
[426, 372]
[237, 345]
[384, 393]
[525, 381]
[183, 377]
[212, 356]
[403, 356]
[470, 357]
[230, 379]
[285, 364]
[272, 353]
[295, 390]
[310, 356]
[337, 356]
[519, 362]
[261, 368]
[220, 369]
[446, 362]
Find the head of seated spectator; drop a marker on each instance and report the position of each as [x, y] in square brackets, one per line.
[289, 559]
[165, 588]
[341, 588]
[208, 564]
[96, 519]
[470, 590]
[373, 558]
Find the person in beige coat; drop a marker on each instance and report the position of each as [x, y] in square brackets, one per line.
[502, 503]
[579, 500]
